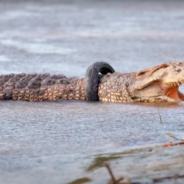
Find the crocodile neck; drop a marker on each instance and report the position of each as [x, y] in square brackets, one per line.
[115, 87]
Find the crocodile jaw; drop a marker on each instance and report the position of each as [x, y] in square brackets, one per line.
[159, 83]
[157, 92]
[172, 91]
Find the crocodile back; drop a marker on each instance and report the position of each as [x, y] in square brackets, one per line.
[28, 86]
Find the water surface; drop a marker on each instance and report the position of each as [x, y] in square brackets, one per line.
[54, 142]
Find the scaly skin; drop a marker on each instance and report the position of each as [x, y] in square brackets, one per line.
[40, 87]
[156, 84]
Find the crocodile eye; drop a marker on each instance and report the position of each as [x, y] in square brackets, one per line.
[142, 73]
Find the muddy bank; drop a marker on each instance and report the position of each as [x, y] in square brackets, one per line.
[147, 165]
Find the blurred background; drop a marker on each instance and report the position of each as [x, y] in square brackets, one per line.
[66, 36]
[54, 142]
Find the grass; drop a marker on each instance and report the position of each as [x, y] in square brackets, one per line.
[160, 117]
[100, 161]
[80, 181]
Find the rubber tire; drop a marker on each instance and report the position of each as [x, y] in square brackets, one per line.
[92, 79]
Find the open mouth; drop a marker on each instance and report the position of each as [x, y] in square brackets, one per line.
[159, 88]
[171, 90]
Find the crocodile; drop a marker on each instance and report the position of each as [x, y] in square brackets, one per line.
[156, 84]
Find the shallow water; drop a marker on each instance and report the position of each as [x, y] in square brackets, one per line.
[46, 142]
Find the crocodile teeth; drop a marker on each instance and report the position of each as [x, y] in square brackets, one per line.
[173, 84]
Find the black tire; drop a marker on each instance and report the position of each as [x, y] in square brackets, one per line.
[92, 79]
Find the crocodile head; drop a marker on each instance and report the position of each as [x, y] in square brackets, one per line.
[159, 83]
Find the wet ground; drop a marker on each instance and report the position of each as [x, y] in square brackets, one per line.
[54, 142]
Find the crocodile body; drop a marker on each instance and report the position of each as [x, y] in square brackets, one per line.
[155, 84]
[40, 87]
